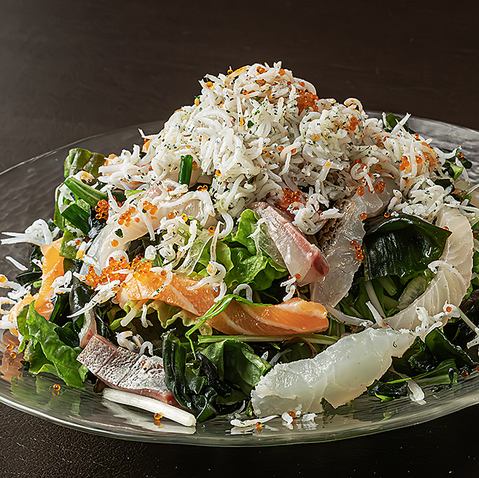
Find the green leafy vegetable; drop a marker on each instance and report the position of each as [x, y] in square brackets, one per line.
[395, 386]
[58, 219]
[78, 214]
[236, 363]
[80, 159]
[186, 168]
[443, 349]
[238, 254]
[68, 250]
[85, 192]
[46, 352]
[214, 381]
[257, 270]
[401, 246]
[391, 120]
[246, 227]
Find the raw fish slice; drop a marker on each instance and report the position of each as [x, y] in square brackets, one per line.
[341, 250]
[295, 316]
[124, 370]
[302, 259]
[339, 374]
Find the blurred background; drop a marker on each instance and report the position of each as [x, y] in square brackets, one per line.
[73, 69]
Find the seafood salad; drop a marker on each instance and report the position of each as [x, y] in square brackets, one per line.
[268, 252]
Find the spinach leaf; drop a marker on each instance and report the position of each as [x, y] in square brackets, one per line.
[46, 351]
[401, 245]
[79, 159]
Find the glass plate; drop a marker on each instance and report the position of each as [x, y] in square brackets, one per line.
[27, 194]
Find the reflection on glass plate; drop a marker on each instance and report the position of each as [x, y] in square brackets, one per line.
[28, 193]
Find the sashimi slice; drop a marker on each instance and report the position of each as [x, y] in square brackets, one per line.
[292, 317]
[52, 267]
[124, 370]
[339, 374]
[303, 259]
[342, 245]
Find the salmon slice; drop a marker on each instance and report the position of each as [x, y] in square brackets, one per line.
[52, 267]
[295, 316]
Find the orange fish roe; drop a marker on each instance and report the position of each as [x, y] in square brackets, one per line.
[289, 197]
[56, 387]
[150, 208]
[125, 218]
[306, 100]
[419, 160]
[359, 250]
[363, 216]
[260, 69]
[212, 229]
[137, 219]
[157, 418]
[108, 274]
[217, 173]
[13, 355]
[387, 215]
[10, 347]
[405, 164]
[352, 124]
[293, 414]
[117, 269]
[202, 187]
[379, 186]
[170, 215]
[281, 71]
[259, 426]
[280, 148]
[360, 191]
[261, 82]
[114, 243]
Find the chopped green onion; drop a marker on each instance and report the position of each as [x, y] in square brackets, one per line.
[186, 167]
[57, 217]
[82, 191]
[77, 216]
[132, 192]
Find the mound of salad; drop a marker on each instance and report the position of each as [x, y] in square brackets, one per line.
[268, 252]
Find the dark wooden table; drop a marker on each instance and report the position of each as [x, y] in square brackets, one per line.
[72, 69]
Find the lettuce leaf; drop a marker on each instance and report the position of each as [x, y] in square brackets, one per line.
[259, 270]
[46, 352]
[243, 263]
[246, 226]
